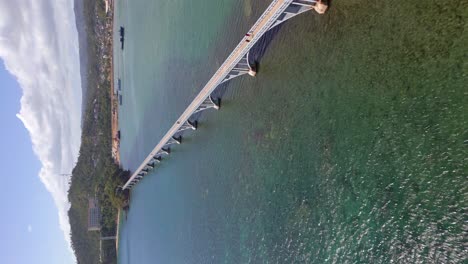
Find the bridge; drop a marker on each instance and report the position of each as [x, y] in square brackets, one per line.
[236, 64]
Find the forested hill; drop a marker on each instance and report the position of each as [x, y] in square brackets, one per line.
[95, 174]
[81, 27]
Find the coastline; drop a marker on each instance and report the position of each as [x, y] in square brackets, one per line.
[97, 172]
[115, 117]
[115, 124]
[117, 233]
[114, 103]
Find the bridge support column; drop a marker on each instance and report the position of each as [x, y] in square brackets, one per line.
[164, 151]
[241, 68]
[174, 140]
[208, 103]
[300, 6]
[156, 159]
[252, 72]
[320, 7]
[188, 125]
[149, 167]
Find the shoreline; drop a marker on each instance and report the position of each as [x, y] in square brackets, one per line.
[114, 104]
[117, 233]
[115, 125]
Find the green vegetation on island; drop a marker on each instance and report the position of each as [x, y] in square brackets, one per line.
[95, 174]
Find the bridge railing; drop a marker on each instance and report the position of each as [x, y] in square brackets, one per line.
[257, 36]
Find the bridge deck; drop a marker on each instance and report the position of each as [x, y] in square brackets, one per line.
[263, 24]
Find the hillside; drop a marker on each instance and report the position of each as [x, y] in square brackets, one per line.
[95, 174]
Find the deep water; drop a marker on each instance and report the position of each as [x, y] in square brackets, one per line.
[350, 146]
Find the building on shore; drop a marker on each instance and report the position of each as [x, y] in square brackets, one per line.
[94, 215]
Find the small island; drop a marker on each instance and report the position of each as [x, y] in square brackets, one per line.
[94, 191]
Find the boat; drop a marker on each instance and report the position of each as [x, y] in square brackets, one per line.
[122, 37]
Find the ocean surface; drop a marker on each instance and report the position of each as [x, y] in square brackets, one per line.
[350, 145]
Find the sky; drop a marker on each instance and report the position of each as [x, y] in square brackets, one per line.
[40, 113]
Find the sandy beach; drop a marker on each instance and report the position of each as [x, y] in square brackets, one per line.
[115, 125]
[114, 108]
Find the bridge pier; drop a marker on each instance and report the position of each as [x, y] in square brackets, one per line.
[252, 72]
[156, 159]
[241, 68]
[208, 103]
[188, 125]
[320, 7]
[298, 7]
[173, 140]
[164, 151]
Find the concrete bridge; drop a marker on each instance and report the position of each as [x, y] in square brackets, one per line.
[237, 64]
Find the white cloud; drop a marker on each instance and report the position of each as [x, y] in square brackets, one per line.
[29, 228]
[39, 46]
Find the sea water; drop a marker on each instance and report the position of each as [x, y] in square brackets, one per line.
[350, 145]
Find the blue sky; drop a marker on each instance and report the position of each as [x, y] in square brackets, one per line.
[41, 127]
[29, 223]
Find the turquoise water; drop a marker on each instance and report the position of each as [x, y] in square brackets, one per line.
[350, 146]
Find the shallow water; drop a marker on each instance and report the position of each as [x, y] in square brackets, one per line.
[350, 146]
